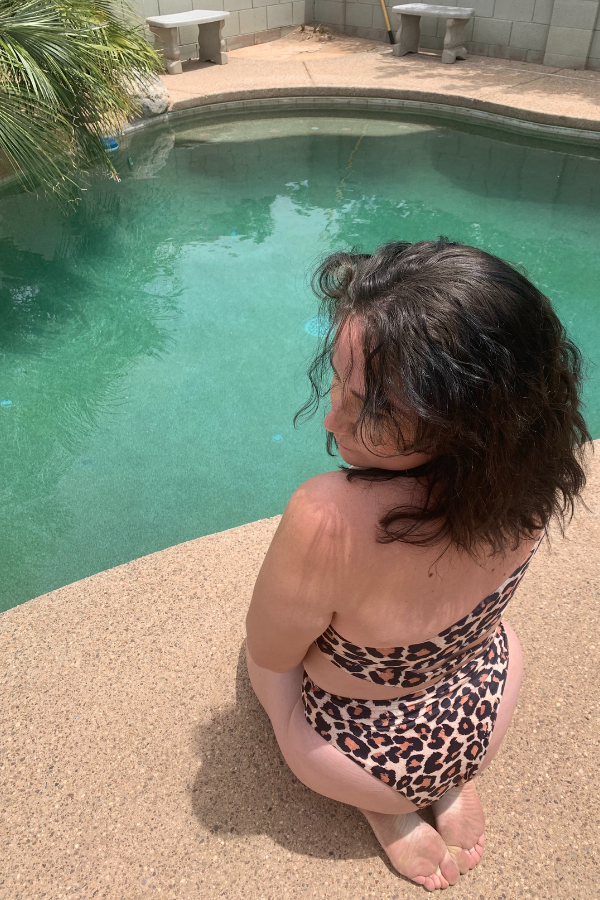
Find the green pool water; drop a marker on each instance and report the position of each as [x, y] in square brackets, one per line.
[153, 343]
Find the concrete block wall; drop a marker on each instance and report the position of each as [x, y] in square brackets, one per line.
[593, 61]
[559, 33]
[572, 29]
[249, 22]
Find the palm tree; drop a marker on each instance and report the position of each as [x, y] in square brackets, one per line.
[66, 70]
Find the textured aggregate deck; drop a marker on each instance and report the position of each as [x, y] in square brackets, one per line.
[136, 762]
[289, 68]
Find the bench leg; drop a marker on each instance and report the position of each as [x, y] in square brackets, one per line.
[211, 45]
[408, 35]
[169, 44]
[454, 41]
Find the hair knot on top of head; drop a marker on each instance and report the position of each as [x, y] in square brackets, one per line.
[463, 359]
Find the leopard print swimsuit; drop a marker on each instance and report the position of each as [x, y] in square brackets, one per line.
[428, 741]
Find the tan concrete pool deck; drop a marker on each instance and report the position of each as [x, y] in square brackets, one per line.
[136, 761]
[285, 68]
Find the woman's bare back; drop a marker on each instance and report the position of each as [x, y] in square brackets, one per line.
[390, 595]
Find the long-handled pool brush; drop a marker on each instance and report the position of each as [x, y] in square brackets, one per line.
[387, 22]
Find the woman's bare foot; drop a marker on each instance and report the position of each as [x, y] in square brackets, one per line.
[415, 849]
[460, 821]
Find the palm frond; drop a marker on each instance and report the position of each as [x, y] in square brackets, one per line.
[37, 150]
[66, 68]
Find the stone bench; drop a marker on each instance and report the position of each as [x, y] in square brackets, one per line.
[210, 41]
[409, 33]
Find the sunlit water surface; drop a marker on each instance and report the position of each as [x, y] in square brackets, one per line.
[153, 344]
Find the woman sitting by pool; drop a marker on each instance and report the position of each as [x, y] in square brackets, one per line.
[375, 637]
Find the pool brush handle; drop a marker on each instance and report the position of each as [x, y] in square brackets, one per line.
[387, 22]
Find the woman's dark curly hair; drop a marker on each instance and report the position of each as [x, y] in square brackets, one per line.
[466, 361]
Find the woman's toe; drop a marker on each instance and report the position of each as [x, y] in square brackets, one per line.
[449, 871]
[476, 852]
[429, 882]
[440, 881]
[434, 882]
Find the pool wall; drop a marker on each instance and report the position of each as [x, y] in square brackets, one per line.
[375, 102]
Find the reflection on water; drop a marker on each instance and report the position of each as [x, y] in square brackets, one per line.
[74, 319]
[153, 342]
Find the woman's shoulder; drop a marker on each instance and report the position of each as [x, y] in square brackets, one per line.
[331, 497]
[333, 509]
[329, 487]
[322, 513]
[357, 500]
[313, 537]
[331, 500]
[321, 501]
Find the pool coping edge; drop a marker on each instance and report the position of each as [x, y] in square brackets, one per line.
[561, 128]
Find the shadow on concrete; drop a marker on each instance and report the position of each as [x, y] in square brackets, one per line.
[473, 76]
[244, 787]
[192, 65]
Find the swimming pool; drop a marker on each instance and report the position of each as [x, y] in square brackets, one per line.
[154, 342]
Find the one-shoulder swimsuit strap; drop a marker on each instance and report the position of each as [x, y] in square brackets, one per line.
[412, 666]
[435, 738]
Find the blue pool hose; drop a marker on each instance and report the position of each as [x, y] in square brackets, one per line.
[109, 144]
